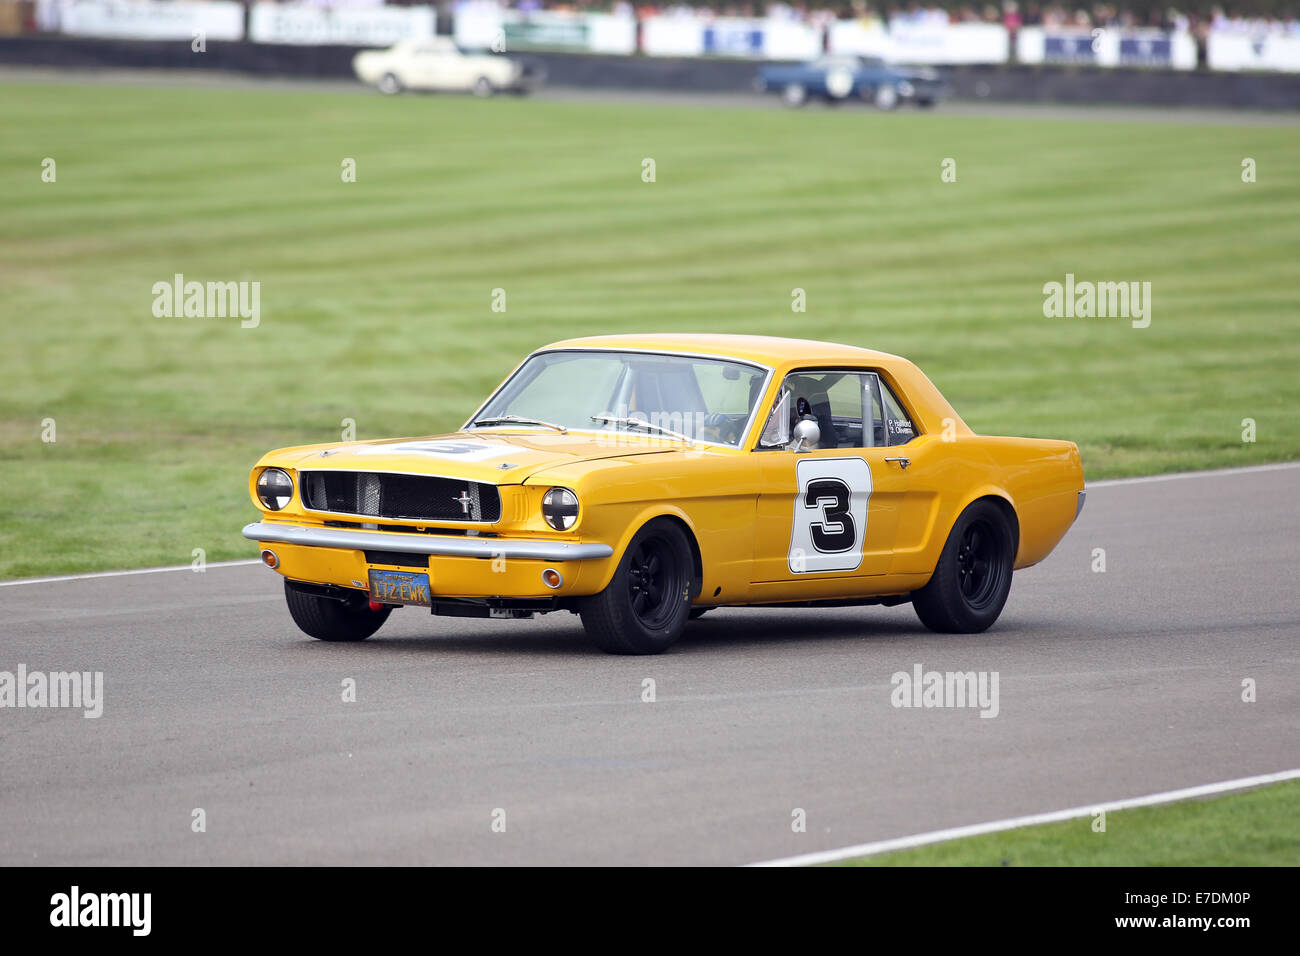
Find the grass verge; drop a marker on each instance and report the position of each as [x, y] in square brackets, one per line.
[376, 295]
[1255, 828]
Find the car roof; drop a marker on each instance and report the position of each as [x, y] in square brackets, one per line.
[763, 349]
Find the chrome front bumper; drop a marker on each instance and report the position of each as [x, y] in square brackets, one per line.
[459, 547]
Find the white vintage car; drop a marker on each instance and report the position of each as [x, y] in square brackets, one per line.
[436, 63]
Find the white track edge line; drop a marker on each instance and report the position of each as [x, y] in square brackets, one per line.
[1211, 473]
[1037, 819]
[119, 574]
[1111, 482]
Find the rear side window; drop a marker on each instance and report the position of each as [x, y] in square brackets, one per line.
[898, 427]
[890, 425]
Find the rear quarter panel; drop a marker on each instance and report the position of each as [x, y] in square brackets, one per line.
[1039, 478]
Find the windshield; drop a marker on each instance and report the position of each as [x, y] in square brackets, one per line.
[702, 399]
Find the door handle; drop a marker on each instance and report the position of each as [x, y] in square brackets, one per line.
[902, 462]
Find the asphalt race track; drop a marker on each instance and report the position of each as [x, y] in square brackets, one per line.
[219, 80]
[1112, 685]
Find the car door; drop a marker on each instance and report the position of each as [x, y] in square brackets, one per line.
[456, 70]
[419, 65]
[439, 65]
[827, 516]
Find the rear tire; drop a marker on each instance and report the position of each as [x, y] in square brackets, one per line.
[645, 606]
[971, 582]
[886, 97]
[329, 620]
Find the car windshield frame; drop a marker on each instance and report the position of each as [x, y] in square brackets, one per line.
[742, 442]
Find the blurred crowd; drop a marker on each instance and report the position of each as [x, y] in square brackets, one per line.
[1257, 18]
[1012, 14]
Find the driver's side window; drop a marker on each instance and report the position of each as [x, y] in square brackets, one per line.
[833, 399]
[851, 410]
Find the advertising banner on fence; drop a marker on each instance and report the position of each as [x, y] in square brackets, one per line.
[1060, 46]
[677, 34]
[921, 43]
[858, 38]
[1154, 49]
[949, 44]
[1238, 50]
[485, 26]
[147, 19]
[304, 25]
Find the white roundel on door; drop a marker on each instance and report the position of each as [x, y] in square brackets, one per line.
[839, 83]
[830, 514]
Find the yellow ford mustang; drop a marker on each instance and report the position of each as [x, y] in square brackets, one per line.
[640, 481]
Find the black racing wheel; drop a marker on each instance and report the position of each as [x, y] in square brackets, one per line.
[972, 579]
[645, 606]
[330, 619]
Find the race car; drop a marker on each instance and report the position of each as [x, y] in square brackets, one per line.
[436, 63]
[642, 480]
[839, 78]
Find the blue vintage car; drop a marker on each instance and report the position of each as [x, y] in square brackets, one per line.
[838, 78]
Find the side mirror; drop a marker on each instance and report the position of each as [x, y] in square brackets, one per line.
[806, 433]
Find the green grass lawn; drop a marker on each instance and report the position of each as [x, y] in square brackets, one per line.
[1256, 828]
[376, 295]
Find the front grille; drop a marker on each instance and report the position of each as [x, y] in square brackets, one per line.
[412, 497]
[407, 529]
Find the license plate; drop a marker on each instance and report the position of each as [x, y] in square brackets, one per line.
[399, 587]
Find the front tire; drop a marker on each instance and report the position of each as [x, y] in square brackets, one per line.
[794, 95]
[645, 606]
[389, 84]
[971, 582]
[327, 619]
[886, 97]
[483, 87]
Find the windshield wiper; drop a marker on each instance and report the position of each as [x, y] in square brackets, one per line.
[518, 420]
[638, 423]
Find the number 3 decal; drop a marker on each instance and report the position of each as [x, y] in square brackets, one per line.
[830, 514]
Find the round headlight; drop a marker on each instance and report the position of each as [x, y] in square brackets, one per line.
[560, 508]
[274, 488]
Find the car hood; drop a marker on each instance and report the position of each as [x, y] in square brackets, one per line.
[500, 457]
